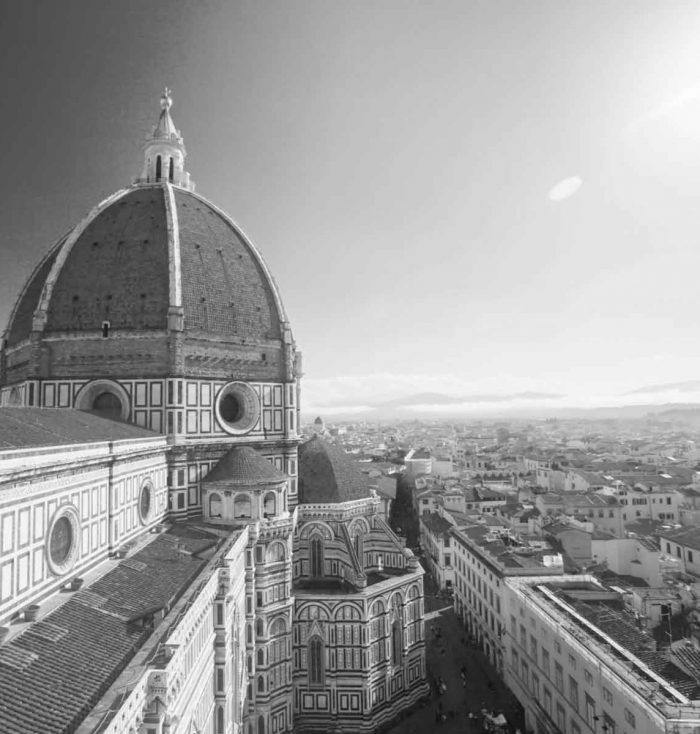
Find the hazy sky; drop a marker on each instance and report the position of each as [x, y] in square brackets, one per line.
[456, 197]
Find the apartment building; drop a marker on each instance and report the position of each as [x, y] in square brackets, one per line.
[579, 663]
[436, 542]
[483, 559]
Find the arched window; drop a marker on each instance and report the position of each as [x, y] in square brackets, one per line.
[278, 628]
[171, 172]
[159, 168]
[316, 661]
[377, 615]
[250, 634]
[261, 657]
[317, 557]
[220, 720]
[108, 405]
[214, 505]
[242, 506]
[261, 725]
[261, 684]
[270, 505]
[275, 553]
[396, 643]
[259, 627]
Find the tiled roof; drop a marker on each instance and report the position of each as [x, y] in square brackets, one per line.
[243, 465]
[22, 428]
[687, 537]
[556, 528]
[615, 622]
[328, 475]
[53, 673]
[118, 269]
[436, 523]
[121, 253]
[216, 261]
[21, 324]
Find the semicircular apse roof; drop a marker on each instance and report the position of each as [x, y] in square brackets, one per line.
[328, 475]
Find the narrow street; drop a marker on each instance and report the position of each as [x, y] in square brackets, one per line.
[446, 655]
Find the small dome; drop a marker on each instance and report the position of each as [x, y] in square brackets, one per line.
[328, 475]
[244, 466]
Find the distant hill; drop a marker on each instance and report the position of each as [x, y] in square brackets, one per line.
[408, 407]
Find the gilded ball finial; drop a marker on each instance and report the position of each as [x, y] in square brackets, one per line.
[166, 101]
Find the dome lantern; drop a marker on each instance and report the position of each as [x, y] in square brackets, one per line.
[164, 151]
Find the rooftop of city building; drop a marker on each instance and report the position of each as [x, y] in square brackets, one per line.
[55, 670]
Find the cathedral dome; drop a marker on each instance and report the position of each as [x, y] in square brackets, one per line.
[162, 272]
[328, 475]
[146, 252]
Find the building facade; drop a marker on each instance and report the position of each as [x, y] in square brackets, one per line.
[483, 561]
[161, 571]
[156, 308]
[577, 663]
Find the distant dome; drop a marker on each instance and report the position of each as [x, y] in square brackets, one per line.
[328, 475]
[120, 265]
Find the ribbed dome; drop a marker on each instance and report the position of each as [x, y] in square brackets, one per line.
[328, 475]
[147, 251]
[244, 466]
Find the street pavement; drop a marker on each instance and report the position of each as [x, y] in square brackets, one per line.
[446, 655]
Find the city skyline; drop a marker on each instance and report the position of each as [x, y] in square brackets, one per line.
[475, 201]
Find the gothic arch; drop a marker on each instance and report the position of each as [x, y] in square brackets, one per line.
[396, 603]
[313, 610]
[354, 612]
[358, 524]
[278, 626]
[319, 527]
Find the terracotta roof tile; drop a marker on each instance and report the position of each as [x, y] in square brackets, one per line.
[117, 269]
[688, 537]
[53, 673]
[224, 289]
[328, 475]
[22, 428]
[243, 465]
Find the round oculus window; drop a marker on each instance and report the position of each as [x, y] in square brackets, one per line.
[108, 405]
[104, 397]
[145, 500]
[62, 540]
[237, 408]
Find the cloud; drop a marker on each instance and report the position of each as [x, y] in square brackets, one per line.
[565, 188]
[689, 386]
[382, 387]
[397, 391]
